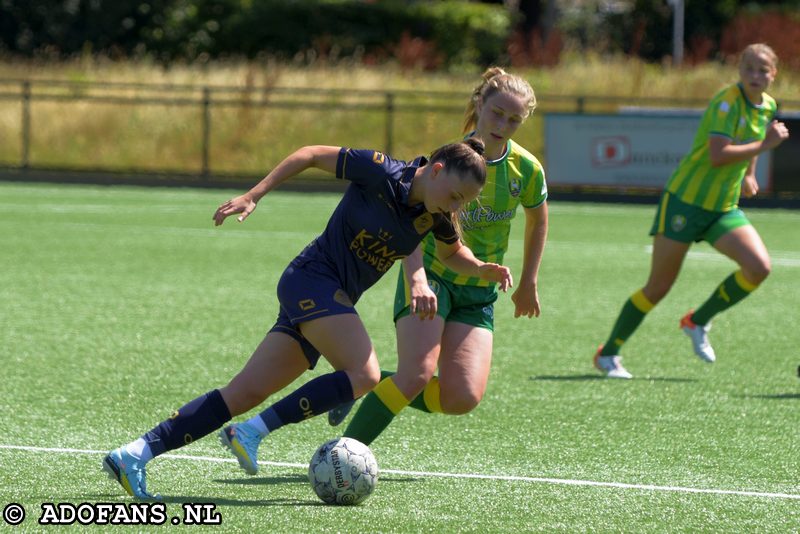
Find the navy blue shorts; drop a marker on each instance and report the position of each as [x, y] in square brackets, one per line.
[306, 293]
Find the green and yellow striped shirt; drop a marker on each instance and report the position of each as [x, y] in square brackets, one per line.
[730, 114]
[516, 178]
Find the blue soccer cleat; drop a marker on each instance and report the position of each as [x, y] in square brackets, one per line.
[129, 472]
[242, 440]
[338, 414]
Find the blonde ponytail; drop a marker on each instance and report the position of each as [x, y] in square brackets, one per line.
[494, 80]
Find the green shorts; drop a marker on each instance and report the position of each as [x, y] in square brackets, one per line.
[686, 223]
[473, 305]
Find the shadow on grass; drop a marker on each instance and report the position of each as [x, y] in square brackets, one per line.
[255, 481]
[266, 481]
[775, 396]
[587, 377]
[300, 479]
[279, 501]
[204, 499]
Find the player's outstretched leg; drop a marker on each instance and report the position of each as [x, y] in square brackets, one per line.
[242, 439]
[699, 336]
[191, 422]
[129, 472]
[611, 365]
[315, 397]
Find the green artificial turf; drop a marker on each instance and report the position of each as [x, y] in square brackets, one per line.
[118, 305]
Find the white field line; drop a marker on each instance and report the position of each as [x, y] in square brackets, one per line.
[543, 480]
[782, 259]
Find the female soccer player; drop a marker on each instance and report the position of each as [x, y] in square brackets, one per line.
[459, 335]
[700, 202]
[384, 214]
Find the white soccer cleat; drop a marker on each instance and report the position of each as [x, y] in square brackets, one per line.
[610, 365]
[699, 336]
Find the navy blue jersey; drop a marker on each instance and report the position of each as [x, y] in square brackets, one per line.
[373, 226]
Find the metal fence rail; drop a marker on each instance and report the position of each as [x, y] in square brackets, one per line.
[208, 98]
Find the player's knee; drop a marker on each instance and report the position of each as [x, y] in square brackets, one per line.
[656, 291]
[461, 402]
[365, 378]
[412, 384]
[241, 398]
[758, 271]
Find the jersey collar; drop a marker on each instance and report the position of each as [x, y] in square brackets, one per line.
[499, 160]
[747, 100]
[407, 177]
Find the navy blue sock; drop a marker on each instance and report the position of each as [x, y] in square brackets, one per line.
[312, 398]
[196, 419]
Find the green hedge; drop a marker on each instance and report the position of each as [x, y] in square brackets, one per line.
[454, 32]
[457, 32]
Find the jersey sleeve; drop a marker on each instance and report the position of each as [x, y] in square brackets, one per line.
[723, 117]
[363, 167]
[443, 230]
[535, 191]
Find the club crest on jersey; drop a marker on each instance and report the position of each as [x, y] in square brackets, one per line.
[678, 223]
[434, 285]
[377, 157]
[514, 187]
[307, 304]
[423, 223]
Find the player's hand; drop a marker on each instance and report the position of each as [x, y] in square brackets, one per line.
[777, 133]
[749, 186]
[492, 272]
[423, 301]
[526, 301]
[243, 204]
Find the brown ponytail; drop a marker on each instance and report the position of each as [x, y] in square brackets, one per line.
[466, 159]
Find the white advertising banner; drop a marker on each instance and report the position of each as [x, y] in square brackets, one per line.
[638, 150]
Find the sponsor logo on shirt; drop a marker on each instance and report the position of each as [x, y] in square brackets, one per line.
[378, 158]
[374, 250]
[485, 214]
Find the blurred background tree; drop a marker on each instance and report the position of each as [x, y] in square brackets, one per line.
[425, 34]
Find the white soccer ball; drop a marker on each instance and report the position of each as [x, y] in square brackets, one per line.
[343, 471]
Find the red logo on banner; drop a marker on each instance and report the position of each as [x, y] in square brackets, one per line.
[610, 151]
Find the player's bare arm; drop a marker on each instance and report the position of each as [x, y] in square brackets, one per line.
[526, 296]
[723, 151]
[459, 258]
[423, 299]
[316, 156]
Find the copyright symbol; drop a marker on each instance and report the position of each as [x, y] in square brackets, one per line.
[13, 514]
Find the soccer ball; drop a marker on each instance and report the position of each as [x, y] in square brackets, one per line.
[343, 471]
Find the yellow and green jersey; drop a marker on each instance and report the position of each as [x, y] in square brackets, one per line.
[516, 178]
[730, 114]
